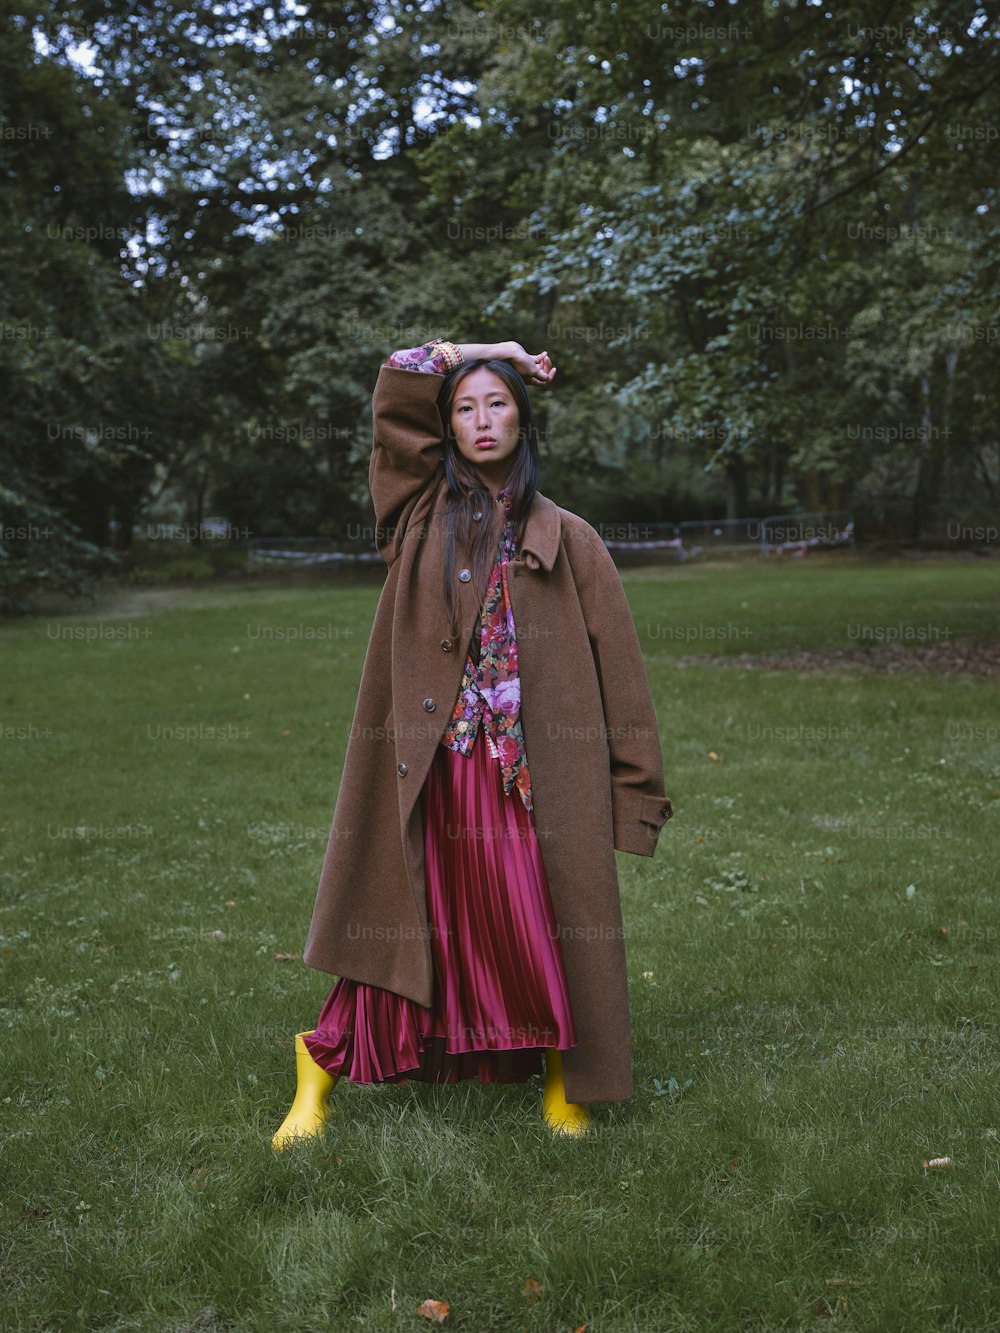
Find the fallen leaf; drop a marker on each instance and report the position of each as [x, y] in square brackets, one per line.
[230, 902]
[936, 1162]
[392, 1294]
[943, 932]
[435, 1310]
[713, 756]
[287, 957]
[532, 1288]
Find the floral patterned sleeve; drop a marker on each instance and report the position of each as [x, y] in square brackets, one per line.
[436, 358]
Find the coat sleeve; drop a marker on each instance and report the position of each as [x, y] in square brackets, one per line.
[407, 450]
[638, 803]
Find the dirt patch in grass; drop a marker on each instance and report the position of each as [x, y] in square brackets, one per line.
[965, 658]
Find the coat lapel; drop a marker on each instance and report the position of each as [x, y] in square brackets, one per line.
[539, 545]
[541, 533]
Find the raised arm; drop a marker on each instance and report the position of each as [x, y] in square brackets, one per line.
[439, 356]
[407, 436]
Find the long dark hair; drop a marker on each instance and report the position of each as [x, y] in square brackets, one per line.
[468, 494]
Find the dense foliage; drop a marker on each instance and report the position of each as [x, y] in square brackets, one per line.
[759, 240]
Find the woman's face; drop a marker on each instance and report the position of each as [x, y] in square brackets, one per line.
[486, 423]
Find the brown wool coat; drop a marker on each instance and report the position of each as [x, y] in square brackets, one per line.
[591, 739]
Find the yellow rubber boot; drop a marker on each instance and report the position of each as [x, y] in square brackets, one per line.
[561, 1116]
[308, 1114]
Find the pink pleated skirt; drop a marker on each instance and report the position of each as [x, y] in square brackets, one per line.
[500, 993]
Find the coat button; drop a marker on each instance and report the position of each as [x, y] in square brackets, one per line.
[464, 575]
[430, 705]
[446, 645]
[401, 770]
[667, 811]
[478, 515]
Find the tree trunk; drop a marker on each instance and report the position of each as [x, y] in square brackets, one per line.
[199, 508]
[736, 488]
[930, 468]
[125, 513]
[811, 490]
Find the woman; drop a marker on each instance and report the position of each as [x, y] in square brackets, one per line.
[470, 905]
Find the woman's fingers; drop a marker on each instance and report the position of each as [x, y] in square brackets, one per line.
[544, 369]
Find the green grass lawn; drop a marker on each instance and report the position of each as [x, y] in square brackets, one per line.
[813, 976]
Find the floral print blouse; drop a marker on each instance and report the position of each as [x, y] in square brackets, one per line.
[490, 693]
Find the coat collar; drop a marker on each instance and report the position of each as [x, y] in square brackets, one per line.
[542, 530]
[540, 543]
[541, 533]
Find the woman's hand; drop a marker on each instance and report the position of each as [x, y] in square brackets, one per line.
[537, 370]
